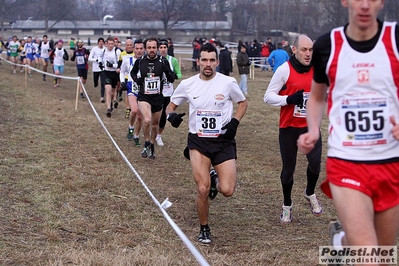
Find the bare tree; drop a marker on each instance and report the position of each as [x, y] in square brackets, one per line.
[7, 7]
[96, 10]
[244, 17]
[126, 9]
[54, 10]
[390, 11]
[170, 12]
[335, 15]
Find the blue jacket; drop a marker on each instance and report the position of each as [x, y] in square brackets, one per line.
[280, 56]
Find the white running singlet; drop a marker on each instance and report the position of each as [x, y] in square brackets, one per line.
[364, 90]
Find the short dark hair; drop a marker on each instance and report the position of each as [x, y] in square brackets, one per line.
[45, 35]
[150, 39]
[100, 39]
[209, 48]
[163, 42]
[138, 41]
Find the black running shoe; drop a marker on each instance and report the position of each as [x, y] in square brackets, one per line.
[44, 77]
[152, 151]
[130, 134]
[81, 95]
[137, 142]
[115, 104]
[213, 191]
[146, 151]
[109, 113]
[205, 236]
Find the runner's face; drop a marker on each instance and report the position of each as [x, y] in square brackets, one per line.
[207, 63]
[101, 44]
[163, 50]
[304, 51]
[363, 13]
[110, 45]
[138, 50]
[129, 46]
[151, 48]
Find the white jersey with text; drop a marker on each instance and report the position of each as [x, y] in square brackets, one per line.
[59, 56]
[126, 67]
[210, 102]
[111, 57]
[45, 50]
[167, 86]
[95, 56]
[363, 95]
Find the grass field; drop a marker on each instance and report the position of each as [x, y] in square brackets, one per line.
[68, 198]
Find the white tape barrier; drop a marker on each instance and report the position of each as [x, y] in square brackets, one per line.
[165, 204]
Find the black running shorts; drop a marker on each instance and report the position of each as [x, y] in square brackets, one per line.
[82, 73]
[111, 78]
[155, 100]
[218, 150]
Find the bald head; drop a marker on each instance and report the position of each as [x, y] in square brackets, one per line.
[129, 45]
[303, 49]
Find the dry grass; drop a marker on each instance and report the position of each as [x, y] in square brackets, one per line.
[61, 178]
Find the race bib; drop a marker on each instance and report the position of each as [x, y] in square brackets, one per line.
[300, 111]
[152, 85]
[208, 123]
[80, 60]
[364, 120]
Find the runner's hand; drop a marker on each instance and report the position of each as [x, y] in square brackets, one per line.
[296, 98]
[231, 129]
[175, 119]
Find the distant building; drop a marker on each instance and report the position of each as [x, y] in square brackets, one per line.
[184, 30]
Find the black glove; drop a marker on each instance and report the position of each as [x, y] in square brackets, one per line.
[296, 98]
[109, 64]
[166, 67]
[175, 75]
[231, 129]
[249, 63]
[140, 82]
[101, 65]
[175, 119]
[123, 86]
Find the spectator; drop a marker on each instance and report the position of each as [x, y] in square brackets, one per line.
[225, 62]
[287, 48]
[243, 64]
[196, 49]
[272, 47]
[277, 57]
[171, 48]
[265, 52]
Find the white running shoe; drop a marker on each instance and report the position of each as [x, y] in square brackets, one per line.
[286, 214]
[314, 204]
[159, 141]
